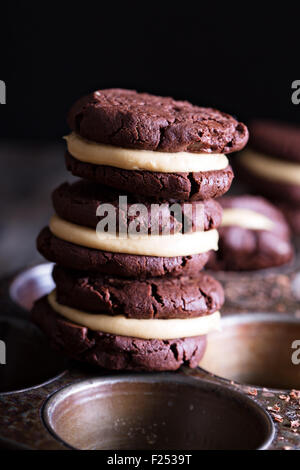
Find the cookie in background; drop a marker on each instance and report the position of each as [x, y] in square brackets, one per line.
[271, 165]
[254, 235]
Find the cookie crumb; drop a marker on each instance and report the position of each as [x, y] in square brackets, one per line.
[277, 417]
[252, 392]
[295, 394]
[274, 408]
[295, 423]
[285, 398]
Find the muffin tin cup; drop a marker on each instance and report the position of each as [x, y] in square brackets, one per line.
[29, 361]
[255, 349]
[31, 284]
[86, 408]
[156, 412]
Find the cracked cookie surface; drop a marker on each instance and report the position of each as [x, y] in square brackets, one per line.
[165, 297]
[112, 351]
[81, 258]
[78, 203]
[129, 119]
[182, 186]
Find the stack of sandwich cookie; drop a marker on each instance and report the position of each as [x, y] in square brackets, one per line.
[111, 308]
[138, 301]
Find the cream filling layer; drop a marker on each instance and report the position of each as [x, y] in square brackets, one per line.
[271, 168]
[149, 245]
[144, 329]
[131, 159]
[246, 218]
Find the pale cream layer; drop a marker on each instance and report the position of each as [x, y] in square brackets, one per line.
[271, 168]
[144, 329]
[131, 159]
[246, 218]
[149, 245]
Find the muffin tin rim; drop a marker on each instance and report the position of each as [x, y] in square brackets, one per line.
[164, 377]
[253, 317]
[19, 278]
[21, 321]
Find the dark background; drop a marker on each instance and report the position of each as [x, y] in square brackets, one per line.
[241, 58]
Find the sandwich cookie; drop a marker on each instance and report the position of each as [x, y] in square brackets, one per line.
[153, 146]
[81, 258]
[78, 247]
[254, 235]
[115, 351]
[271, 164]
[166, 330]
[292, 215]
[81, 247]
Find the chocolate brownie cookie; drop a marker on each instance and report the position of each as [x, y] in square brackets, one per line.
[277, 139]
[165, 297]
[254, 235]
[271, 165]
[273, 190]
[179, 186]
[112, 351]
[134, 120]
[78, 203]
[81, 258]
[292, 215]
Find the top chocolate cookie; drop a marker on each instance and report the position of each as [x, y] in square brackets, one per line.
[134, 120]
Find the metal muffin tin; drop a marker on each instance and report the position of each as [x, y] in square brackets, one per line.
[48, 403]
[274, 289]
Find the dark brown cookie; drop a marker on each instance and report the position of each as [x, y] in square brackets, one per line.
[164, 297]
[273, 190]
[276, 139]
[129, 119]
[245, 249]
[115, 352]
[80, 258]
[78, 203]
[292, 215]
[261, 206]
[179, 186]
